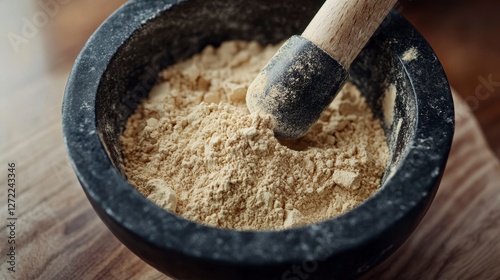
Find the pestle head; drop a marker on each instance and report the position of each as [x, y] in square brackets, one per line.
[296, 86]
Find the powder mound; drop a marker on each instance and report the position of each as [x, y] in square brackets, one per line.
[194, 149]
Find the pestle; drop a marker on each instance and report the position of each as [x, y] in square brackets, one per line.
[307, 72]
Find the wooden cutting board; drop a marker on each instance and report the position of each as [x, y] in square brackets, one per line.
[459, 238]
[59, 236]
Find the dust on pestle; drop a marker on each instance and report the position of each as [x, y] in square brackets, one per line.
[278, 95]
[194, 149]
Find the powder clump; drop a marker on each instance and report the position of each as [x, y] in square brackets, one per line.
[194, 149]
[410, 54]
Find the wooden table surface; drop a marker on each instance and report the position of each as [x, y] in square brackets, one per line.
[58, 235]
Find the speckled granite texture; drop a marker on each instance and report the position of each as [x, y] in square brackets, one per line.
[118, 66]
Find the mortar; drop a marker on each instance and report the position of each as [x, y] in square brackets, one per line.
[119, 65]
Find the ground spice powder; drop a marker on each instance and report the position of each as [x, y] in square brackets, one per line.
[193, 148]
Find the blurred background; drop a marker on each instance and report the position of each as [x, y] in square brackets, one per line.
[43, 37]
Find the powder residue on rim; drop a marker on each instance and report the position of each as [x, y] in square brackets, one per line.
[193, 148]
[410, 54]
[388, 103]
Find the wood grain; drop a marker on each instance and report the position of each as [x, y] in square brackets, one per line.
[60, 236]
[342, 27]
[459, 237]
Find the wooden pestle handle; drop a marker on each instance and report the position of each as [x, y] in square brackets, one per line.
[343, 27]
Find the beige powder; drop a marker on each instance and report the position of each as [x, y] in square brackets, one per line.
[410, 54]
[194, 149]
